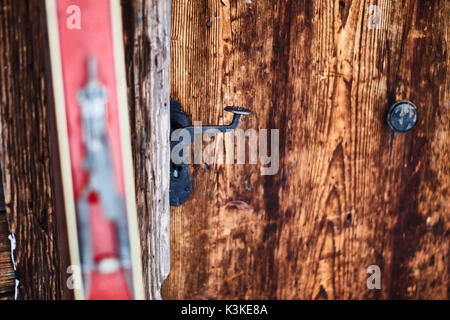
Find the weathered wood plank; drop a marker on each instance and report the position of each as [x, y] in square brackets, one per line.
[324, 74]
[334, 208]
[7, 277]
[147, 36]
[25, 148]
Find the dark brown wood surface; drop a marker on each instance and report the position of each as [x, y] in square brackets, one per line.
[147, 38]
[324, 74]
[6, 268]
[25, 149]
[315, 71]
[7, 286]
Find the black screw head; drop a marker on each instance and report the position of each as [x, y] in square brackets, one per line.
[402, 116]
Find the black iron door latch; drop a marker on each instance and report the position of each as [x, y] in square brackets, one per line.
[180, 182]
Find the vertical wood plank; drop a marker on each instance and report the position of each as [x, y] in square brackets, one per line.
[147, 36]
[25, 149]
[7, 277]
[312, 69]
[324, 74]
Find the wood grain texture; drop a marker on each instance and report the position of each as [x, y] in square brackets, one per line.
[319, 73]
[25, 149]
[147, 36]
[7, 276]
[6, 268]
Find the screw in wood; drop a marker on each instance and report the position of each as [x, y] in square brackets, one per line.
[402, 117]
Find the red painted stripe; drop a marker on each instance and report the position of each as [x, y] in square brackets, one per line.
[94, 38]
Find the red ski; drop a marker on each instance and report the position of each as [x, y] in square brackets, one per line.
[89, 89]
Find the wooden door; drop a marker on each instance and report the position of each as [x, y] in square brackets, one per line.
[324, 73]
